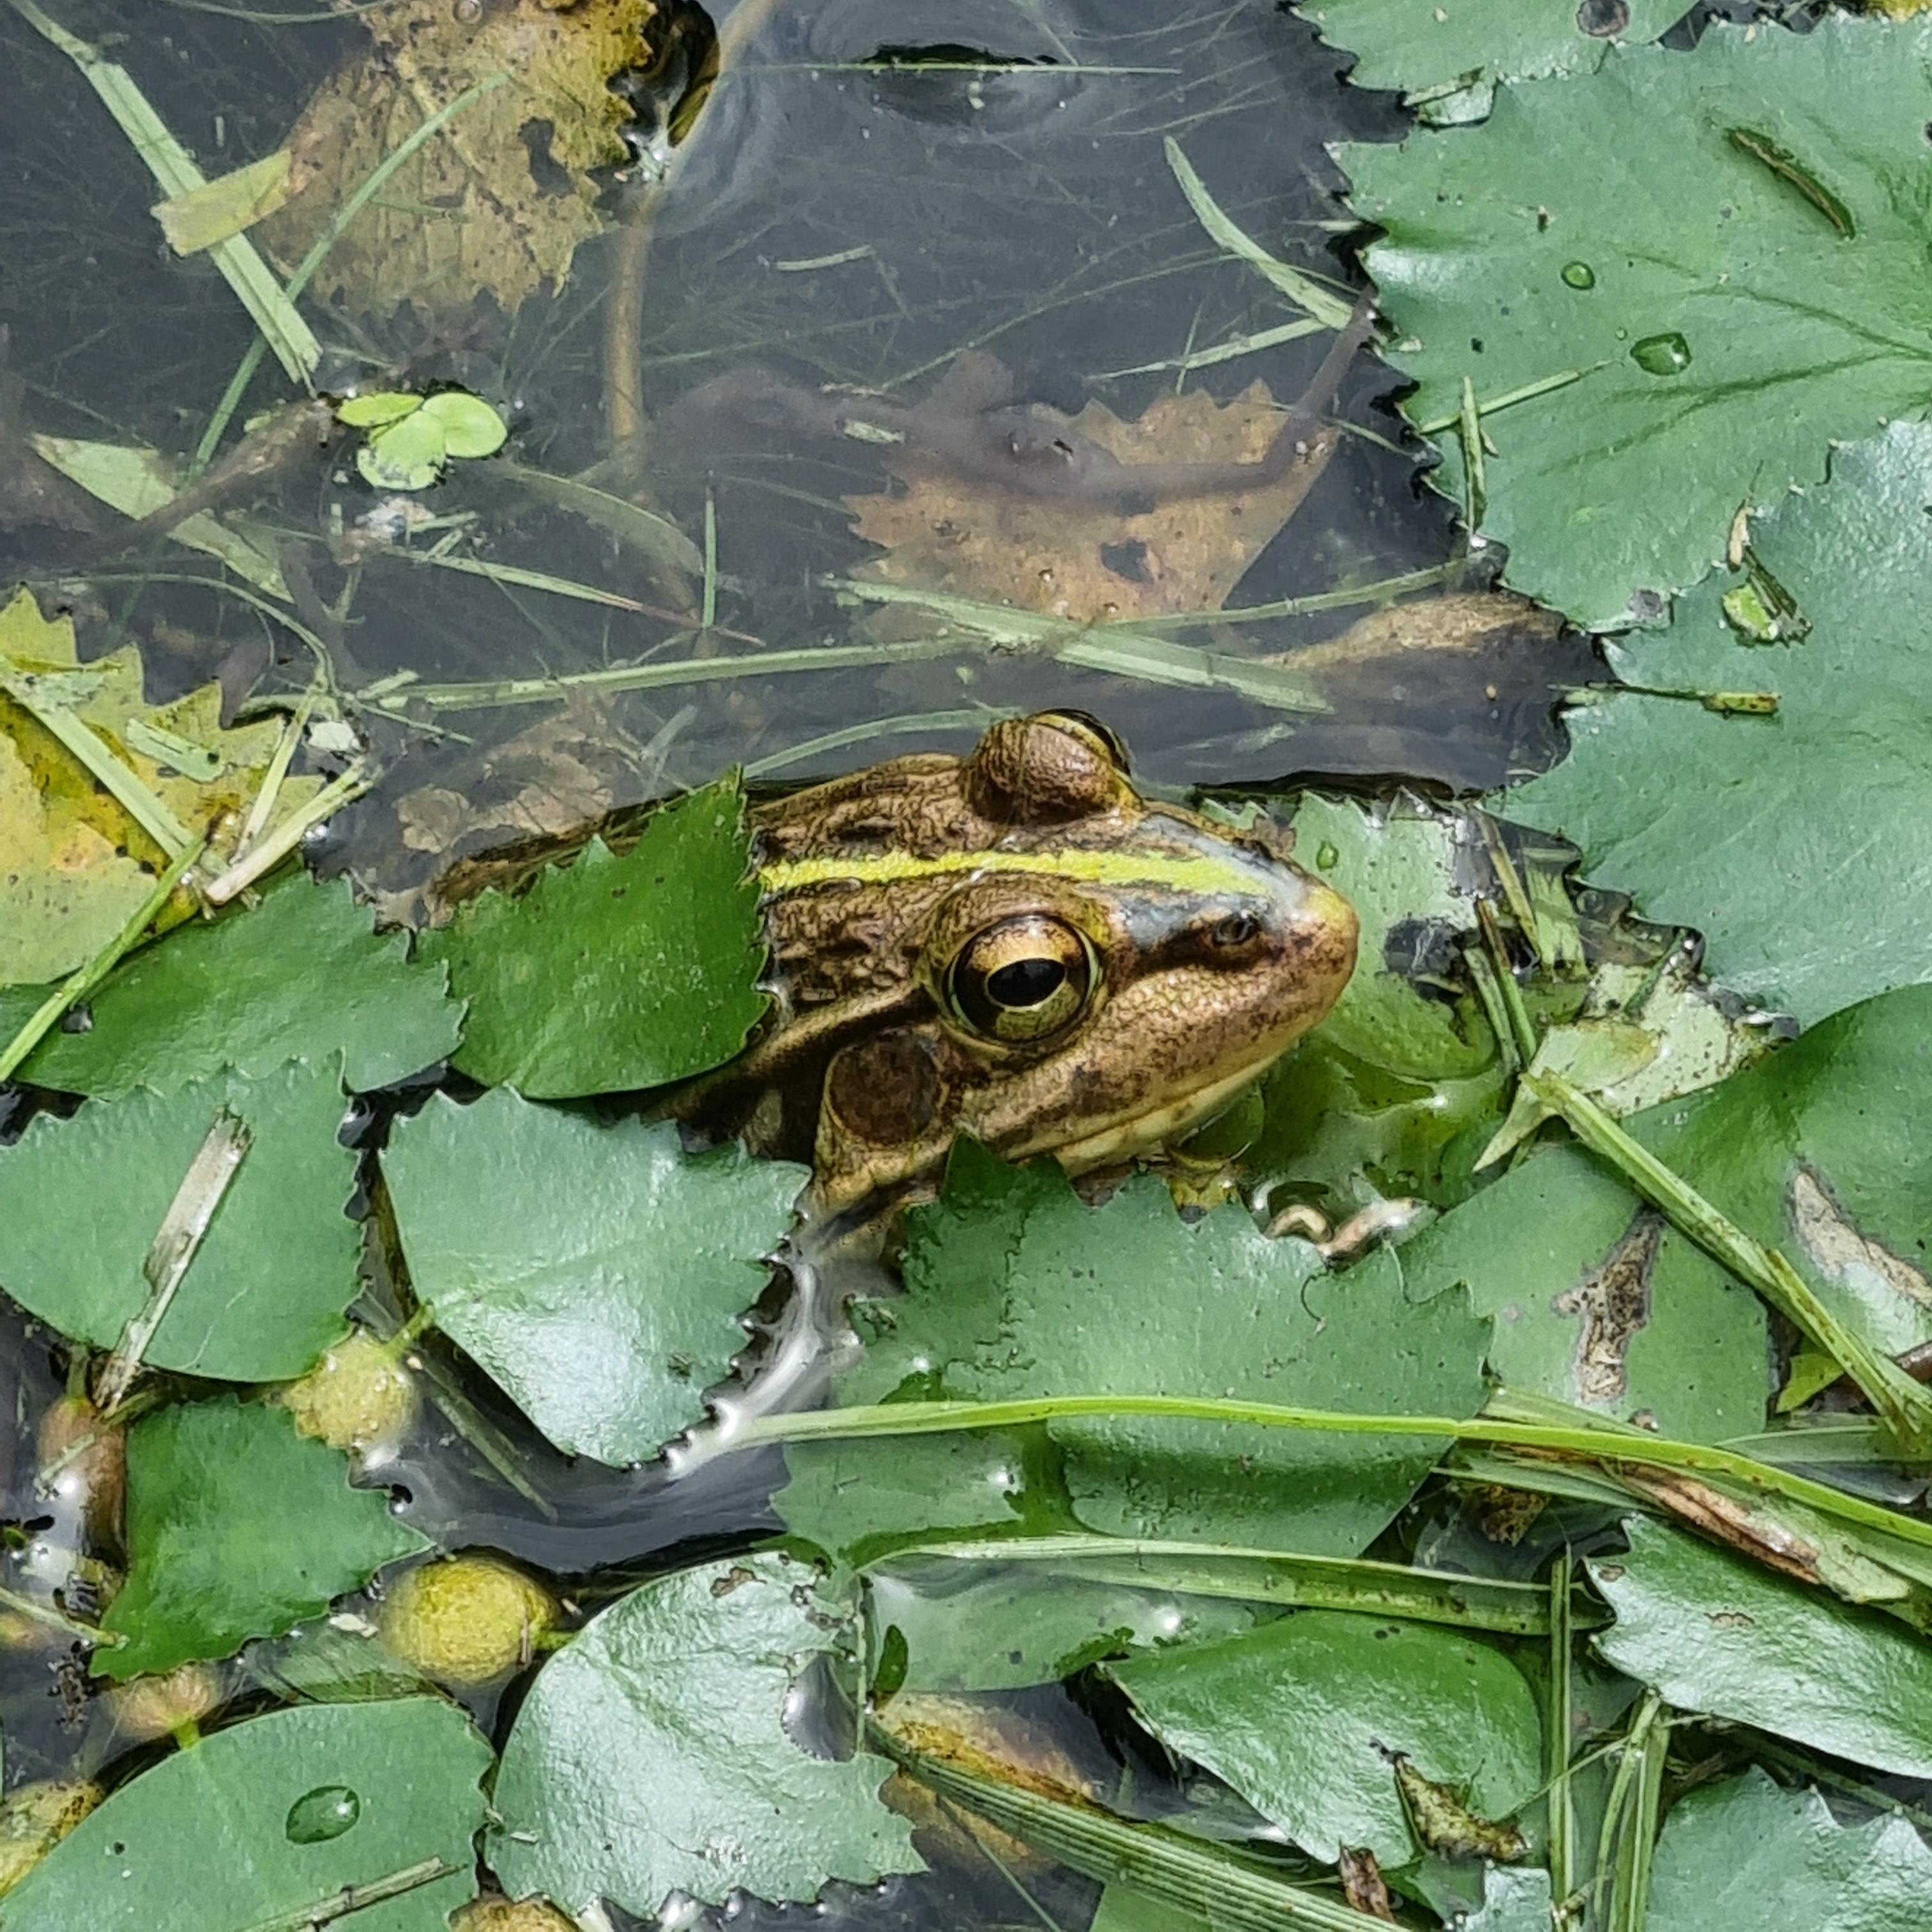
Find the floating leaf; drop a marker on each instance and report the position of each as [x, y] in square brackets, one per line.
[1731, 1849]
[652, 1756]
[224, 206]
[1673, 272]
[380, 406]
[470, 427]
[203, 1839]
[1429, 50]
[1305, 1717]
[615, 973]
[406, 455]
[1713, 1633]
[301, 973]
[1005, 1297]
[597, 1273]
[81, 1200]
[1806, 865]
[237, 1527]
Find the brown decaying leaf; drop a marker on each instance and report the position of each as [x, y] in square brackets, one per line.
[498, 201]
[1444, 1823]
[1362, 1885]
[1096, 563]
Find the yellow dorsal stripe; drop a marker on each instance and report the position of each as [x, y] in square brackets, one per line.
[1201, 874]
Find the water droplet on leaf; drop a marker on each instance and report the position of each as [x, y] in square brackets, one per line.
[1578, 275]
[323, 1813]
[1667, 355]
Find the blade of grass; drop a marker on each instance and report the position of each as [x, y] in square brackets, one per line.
[1186, 1873]
[79, 984]
[176, 1242]
[263, 858]
[173, 168]
[1560, 1798]
[1905, 1406]
[1609, 1448]
[1308, 295]
[118, 778]
[1262, 1576]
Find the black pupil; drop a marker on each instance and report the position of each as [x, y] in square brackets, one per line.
[1026, 983]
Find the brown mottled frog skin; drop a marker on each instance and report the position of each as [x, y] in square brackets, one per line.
[1017, 945]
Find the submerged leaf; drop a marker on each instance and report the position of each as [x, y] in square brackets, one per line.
[238, 1526]
[240, 1830]
[597, 1273]
[652, 1756]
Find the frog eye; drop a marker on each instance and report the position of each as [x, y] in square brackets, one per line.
[1022, 979]
[1098, 737]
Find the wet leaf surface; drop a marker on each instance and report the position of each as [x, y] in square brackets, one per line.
[1477, 43]
[202, 1839]
[301, 974]
[652, 1756]
[1014, 1288]
[1714, 1634]
[1680, 272]
[1798, 844]
[81, 1199]
[613, 973]
[1303, 1716]
[237, 1527]
[596, 1273]
[1731, 1848]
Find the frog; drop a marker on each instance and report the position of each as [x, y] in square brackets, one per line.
[1015, 945]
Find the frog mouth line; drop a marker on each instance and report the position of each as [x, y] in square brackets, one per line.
[1151, 1129]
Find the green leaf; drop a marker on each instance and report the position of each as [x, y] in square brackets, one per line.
[237, 1527]
[1595, 1301]
[614, 974]
[1301, 1716]
[1801, 845]
[1730, 1850]
[1413, 48]
[1515, 1899]
[1006, 1296]
[1714, 1634]
[651, 1756]
[596, 1273]
[1393, 1093]
[372, 411]
[81, 1200]
[200, 1842]
[408, 454]
[470, 427]
[1009, 1627]
[301, 975]
[1681, 271]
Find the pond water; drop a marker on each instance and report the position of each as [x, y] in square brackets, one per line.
[709, 421]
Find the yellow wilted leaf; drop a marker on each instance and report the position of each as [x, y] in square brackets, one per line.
[74, 862]
[498, 201]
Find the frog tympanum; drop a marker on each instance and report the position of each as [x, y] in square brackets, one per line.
[1014, 945]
